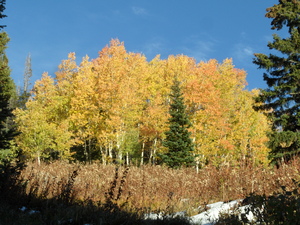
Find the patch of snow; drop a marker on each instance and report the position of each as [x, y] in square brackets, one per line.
[33, 212]
[211, 215]
[161, 215]
[23, 208]
[30, 212]
[153, 216]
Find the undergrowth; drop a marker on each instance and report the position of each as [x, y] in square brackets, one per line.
[65, 193]
[281, 207]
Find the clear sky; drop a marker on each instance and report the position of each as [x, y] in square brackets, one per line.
[203, 29]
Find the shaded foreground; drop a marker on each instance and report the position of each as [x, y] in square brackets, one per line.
[23, 202]
[61, 193]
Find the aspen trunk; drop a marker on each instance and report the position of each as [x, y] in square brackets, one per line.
[110, 148]
[38, 159]
[154, 151]
[85, 152]
[142, 153]
[103, 155]
[120, 156]
[127, 159]
[89, 152]
[150, 157]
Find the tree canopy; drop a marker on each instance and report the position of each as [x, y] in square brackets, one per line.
[115, 108]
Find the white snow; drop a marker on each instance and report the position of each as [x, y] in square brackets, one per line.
[30, 212]
[211, 215]
[23, 208]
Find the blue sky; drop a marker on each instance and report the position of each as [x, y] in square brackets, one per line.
[211, 29]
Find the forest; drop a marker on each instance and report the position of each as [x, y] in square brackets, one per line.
[114, 109]
[114, 139]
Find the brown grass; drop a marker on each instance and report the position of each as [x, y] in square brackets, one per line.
[152, 188]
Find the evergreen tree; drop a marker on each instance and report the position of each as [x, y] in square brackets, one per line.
[2, 8]
[281, 100]
[6, 93]
[178, 141]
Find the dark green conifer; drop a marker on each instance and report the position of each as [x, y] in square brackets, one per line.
[7, 90]
[2, 8]
[7, 93]
[281, 100]
[178, 141]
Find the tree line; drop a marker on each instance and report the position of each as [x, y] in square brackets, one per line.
[115, 108]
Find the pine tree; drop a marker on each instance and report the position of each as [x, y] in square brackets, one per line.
[281, 100]
[178, 141]
[7, 88]
[7, 92]
[2, 8]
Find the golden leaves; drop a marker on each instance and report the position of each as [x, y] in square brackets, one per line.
[118, 94]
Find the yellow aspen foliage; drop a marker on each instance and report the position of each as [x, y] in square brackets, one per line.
[221, 111]
[119, 84]
[43, 133]
[116, 107]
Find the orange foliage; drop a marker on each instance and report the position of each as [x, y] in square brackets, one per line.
[119, 97]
